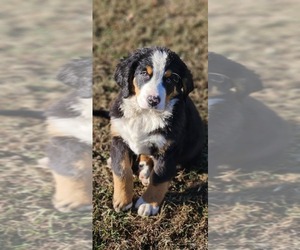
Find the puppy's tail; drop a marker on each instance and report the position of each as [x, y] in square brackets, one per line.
[101, 113]
[23, 113]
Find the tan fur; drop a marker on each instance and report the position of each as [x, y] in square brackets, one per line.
[155, 194]
[168, 73]
[136, 88]
[149, 70]
[123, 186]
[146, 159]
[72, 193]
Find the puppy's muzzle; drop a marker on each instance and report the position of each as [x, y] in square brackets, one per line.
[153, 100]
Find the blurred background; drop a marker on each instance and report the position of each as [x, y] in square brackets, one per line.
[119, 28]
[37, 38]
[256, 206]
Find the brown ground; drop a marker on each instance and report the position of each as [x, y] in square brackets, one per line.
[120, 27]
[259, 209]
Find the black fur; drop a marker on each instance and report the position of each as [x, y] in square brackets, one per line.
[118, 151]
[101, 113]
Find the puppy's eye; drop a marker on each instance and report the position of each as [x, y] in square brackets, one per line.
[168, 80]
[145, 76]
[175, 78]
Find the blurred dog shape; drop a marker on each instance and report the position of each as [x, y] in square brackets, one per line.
[69, 152]
[242, 130]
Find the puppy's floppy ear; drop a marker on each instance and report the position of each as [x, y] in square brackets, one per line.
[243, 80]
[125, 70]
[184, 72]
[187, 82]
[78, 74]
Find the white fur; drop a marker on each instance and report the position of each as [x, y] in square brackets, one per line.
[145, 209]
[136, 124]
[154, 87]
[80, 126]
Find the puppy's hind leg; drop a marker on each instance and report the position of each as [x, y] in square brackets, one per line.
[121, 164]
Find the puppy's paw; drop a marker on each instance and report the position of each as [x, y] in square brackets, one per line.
[146, 209]
[144, 173]
[120, 205]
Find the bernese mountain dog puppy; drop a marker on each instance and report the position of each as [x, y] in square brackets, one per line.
[153, 121]
[69, 124]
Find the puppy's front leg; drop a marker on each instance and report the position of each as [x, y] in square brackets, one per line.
[148, 204]
[163, 171]
[121, 163]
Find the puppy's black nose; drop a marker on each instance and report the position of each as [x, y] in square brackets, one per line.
[153, 100]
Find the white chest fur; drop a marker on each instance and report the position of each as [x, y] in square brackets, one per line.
[136, 124]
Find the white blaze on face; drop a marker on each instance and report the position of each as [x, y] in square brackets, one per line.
[155, 86]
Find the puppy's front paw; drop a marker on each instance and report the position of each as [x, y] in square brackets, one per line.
[146, 209]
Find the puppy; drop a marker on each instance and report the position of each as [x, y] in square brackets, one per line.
[242, 130]
[153, 118]
[69, 124]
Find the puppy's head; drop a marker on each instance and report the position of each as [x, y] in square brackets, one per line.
[154, 76]
[78, 74]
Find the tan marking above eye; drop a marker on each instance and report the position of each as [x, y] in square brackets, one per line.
[149, 70]
[168, 73]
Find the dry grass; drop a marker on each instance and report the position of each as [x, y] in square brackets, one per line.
[119, 28]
